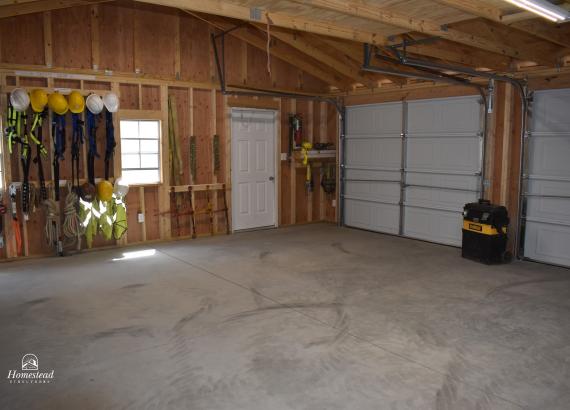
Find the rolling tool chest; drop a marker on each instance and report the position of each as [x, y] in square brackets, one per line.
[485, 232]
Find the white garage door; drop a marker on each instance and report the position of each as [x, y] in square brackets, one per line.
[410, 167]
[547, 187]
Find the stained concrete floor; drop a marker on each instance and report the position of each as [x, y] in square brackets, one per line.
[310, 317]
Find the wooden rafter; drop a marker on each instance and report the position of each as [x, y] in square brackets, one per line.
[280, 51]
[232, 10]
[346, 68]
[28, 7]
[535, 49]
[350, 52]
[457, 53]
[529, 24]
[367, 11]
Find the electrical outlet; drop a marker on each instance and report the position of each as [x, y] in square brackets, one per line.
[334, 203]
[140, 217]
[283, 156]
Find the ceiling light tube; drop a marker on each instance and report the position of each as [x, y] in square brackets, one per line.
[544, 9]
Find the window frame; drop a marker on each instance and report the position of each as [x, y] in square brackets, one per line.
[142, 118]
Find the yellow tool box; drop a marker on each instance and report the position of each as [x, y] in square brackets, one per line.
[485, 232]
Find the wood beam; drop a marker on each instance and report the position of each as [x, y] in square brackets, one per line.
[534, 49]
[352, 52]
[371, 12]
[226, 9]
[537, 27]
[281, 51]
[346, 68]
[18, 9]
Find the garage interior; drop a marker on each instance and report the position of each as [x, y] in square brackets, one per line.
[262, 204]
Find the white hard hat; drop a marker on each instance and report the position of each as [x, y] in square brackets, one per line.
[94, 103]
[20, 99]
[121, 188]
[111, 102]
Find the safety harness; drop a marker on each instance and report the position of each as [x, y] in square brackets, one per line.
[36, 134]
[14, 127]
[77, 141]
[110, 142]
[92, 139]
[25, 159]
[58, 131]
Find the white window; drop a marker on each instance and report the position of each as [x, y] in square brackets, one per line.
[140, 151]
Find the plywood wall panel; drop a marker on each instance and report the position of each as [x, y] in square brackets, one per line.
[150, 97]
[235, 69]
[22, 39]
[181, 98]
[203, 132]
[301, 197]
[151, 212]
[116, 36]
[134, 232]
[257, 75]
[129, 96]
[155, 31]
[194, 49]
[71, 33]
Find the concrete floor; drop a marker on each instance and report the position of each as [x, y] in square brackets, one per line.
[310, 317]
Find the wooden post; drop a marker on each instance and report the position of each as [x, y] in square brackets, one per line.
[9, 242]
[214, 175]
[95, 59]
[323, 123]
[507, 130]
[293, 181]
[164, 187]
[309, 135]
[48, 51]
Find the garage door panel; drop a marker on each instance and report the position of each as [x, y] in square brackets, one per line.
[433, 225]
[380, 153]
[372, 216]
[542, 205]
[548, 243]
[441, 167]
[550, 111]
[450, 115]
[438, 198]
[550, 154]
[374, 191]
[375, 119]
[373, 175]
[547, 213]
[469, 182]
[454, 154]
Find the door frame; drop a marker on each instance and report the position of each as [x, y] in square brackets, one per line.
[276, 161]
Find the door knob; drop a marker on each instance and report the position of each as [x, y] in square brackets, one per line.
[272, 178]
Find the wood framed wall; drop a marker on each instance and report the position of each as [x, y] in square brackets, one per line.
[147, 55]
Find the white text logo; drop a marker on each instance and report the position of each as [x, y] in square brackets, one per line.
[30, 373]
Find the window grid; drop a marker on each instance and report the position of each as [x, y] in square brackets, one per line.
[141, 153]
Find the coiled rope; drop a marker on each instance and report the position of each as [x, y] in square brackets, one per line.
[72, 227]
[52, 219]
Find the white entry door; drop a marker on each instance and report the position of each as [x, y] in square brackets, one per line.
[253, 168]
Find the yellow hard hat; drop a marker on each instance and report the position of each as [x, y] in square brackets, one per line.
[104, 191]
[76, 102]
[39, 100]
[57, 103]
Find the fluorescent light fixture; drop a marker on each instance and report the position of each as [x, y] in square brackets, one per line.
[136, 254]
[544, 9]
